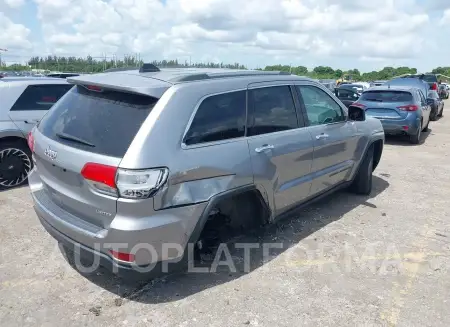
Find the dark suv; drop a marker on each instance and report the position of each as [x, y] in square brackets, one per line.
[431, 79]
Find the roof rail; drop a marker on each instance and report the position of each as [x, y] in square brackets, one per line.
[119, 69]
[145, 68]
[212, 75]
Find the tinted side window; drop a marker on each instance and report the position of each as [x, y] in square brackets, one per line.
[40, 97]
[320, 107]
[422, 97]
[271, 110]
[219, 117]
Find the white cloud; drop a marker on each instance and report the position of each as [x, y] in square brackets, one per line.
[14, 3]
[232, 30]
[445, 20]
[13, 36]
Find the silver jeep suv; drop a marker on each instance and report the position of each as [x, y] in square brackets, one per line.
[131, 166]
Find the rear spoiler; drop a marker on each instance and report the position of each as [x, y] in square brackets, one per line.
[123, 83]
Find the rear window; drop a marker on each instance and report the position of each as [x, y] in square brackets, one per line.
[433, 95]
[386, 96]
[101, 122]
[40, 97]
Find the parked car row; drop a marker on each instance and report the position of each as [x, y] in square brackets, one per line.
[404, 105]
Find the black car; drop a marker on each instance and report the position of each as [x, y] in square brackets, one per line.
[354, 87]
[346, 95]
[443, 91]
[436, 103]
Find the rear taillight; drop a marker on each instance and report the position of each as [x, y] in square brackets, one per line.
[410, 107]
[101, 177]
[140, 184]
[434, 86]
[126, 183]
[30, 141]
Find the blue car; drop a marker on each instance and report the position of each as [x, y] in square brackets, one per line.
[401, 109]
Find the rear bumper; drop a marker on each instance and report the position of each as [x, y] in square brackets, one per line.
[160, 238]
[409, 125]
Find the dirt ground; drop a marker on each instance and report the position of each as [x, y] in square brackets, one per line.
[347, 260]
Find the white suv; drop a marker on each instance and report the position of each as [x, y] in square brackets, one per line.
[23, 102]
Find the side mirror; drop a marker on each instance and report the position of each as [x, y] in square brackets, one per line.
[356, 113]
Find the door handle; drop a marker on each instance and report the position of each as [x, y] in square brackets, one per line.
[31, 121]
[322, 136]
[264, 148]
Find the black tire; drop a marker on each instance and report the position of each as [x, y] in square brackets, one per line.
[15, 164]
[434, 114]
[442, 112]
[362, 184]
[415, 139]
[425, 129]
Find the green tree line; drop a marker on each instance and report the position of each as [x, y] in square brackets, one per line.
[95, 65]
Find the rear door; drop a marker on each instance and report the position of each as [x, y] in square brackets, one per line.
[280, 148]
[335, 139]
[34, 103]
[86, 126]
[426, 108]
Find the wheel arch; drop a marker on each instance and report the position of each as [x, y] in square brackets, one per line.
[228, 195]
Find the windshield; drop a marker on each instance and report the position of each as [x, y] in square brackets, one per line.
[101, 122]
[386, 96]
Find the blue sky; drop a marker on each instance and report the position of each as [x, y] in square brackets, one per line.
[338, 33]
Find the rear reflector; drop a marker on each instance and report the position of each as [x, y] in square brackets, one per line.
[122, 256]
[410, 107]
[100, 173]
[30, 141]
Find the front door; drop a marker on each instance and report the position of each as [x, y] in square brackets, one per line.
[34, 103]
[335, 138]
[281, 149]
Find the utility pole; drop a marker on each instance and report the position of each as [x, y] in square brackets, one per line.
[2, 50]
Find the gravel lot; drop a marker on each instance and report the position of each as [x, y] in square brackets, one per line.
[348, 261]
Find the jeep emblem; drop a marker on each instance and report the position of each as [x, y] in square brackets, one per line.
[50, 153]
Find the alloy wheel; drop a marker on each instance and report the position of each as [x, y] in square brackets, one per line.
[15, 164]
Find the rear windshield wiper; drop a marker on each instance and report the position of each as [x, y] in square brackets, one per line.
[74, 138]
